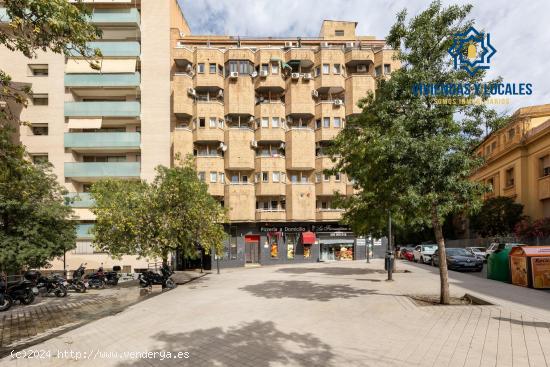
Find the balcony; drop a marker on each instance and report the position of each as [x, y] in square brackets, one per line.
[300, 203]
[239, 154]
[239, 96]
[184, 54]
[83, 231]
[270, 163]
[96, 170]
[328, 109]
[358, 56]
[270, 188]
[209, 164]
[357, 87]
[126, 17]
[544, 187]
[302, 56]
[80, 200]
[272, 82]
[275, 215]
[332, 215]
[208, 134]
[182, 101]
[330, 83]
[298, 98]
[209, 81]
[102, 80]
[102, 141]
[102, 109]
[183, 142]
[329, 188]
[113, 48]
[300, 149]
[241, 202]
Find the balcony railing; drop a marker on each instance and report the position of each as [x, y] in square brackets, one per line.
[103, 109]
[116, 16]
[113, 48]
[91, 170]
[83, 230]
[102, 80]
[80, 200]
[119, 140]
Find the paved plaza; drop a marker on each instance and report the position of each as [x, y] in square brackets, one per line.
[336, 314]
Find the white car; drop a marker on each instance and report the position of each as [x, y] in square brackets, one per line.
[478, 252]
[495, 246]
[423, 253]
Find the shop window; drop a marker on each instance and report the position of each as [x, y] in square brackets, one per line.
[290, 246]
[273, 242]
[233, 248]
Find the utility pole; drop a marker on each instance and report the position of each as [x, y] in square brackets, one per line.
[369, 245]
[390, 250]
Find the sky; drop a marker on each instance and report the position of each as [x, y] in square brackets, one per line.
[519, 29]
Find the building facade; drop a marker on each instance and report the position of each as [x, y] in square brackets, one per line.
[518, 160]
[112, 122]
[258, 115]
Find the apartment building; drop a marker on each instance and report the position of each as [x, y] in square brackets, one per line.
[258, 115]
[112, 122]
[518, 160]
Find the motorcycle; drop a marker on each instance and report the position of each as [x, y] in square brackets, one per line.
[23, 291]
[47, 285]
[5, 299]
[101, 278]
[76, 284]
[163, 278]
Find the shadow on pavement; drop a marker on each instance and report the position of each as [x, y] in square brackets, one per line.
[331, 271]
[303, 290]
[540, 324]
[257, 342]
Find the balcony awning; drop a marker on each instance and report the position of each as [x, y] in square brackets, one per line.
[94, 123]
[308, 238]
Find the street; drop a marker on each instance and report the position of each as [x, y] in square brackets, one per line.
[335, 314]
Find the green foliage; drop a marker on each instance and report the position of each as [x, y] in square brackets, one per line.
[174, 212]
[528, 228]
[497, 217]
[35, 224]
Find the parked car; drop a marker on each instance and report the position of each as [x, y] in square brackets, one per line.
[423, 253]
[494, 246]
[479, 252]
[459, 259]
[407, 252]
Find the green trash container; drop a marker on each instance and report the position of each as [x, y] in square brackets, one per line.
[498, 264]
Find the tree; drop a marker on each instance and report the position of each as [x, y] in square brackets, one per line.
[497, 217]
[405, 152]
[174, 212]
[35, 223]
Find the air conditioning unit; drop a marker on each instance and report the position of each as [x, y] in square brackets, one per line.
[263, 73]
[295, 75]
[253, 143]
[254, 74]
[308, 76]
[220, 93]
[189, 68]
[222, 146]
[191, 92]
[234, 74]
[282, 146]
[262, 99]
[362, 68]
[251, 119]
[338, 102]
[289, 44]
[315, 93]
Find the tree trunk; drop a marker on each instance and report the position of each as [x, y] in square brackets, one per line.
[443, 272]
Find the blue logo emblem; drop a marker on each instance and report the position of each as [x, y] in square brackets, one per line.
[472, 51]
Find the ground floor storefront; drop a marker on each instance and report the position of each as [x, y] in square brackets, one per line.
[288, 243]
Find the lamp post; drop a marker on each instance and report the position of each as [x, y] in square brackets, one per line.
[390, 250]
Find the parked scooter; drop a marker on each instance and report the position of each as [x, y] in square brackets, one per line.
[76, 284]
[22, 291]
[5, 299]
[100, 278]
[46, 285]
[163, 278]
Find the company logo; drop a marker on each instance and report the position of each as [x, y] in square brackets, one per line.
[472, 51]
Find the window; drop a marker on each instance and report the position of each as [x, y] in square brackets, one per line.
[326, 177]
[202, 122]
[233, 67]
[265, 121]
[275, 68]
[387, 68]
[276, 176]
[213, 122]
[544, 165]
[39, 158]
[510, 177]
[233, 248]
[337, 177]
[200, 68]
[326, 122]
[265, 176]
[324, 205]
[40, 99]
[244, 179]
[222, 177]
[245, 67]
[115, 158]
[339, 33]
[378, 71]
[317, 71]
[212, 68]
[235, 178]
[221, 123]
[317, 177]
[265, 68]
[337, 122]
[201, 176]
[326, 68]
[274, 122]
[304, 178]
[213, 177]
[274, 248]
[39, 129]
[294, 178]
[318, 123]
[38, 69]
[336, 69]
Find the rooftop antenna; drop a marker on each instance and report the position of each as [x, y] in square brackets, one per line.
[299, 41]
[239, 41]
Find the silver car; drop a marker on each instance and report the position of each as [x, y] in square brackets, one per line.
[479, 252]
[423, 253]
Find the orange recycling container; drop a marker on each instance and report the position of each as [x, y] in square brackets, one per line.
[530, 266]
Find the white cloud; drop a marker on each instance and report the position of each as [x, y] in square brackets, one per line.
[518, 28]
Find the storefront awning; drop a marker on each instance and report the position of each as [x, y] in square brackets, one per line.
[336, 241]
[308, 238]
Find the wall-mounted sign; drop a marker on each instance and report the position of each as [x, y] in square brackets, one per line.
[360, 242]
[285, 229]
